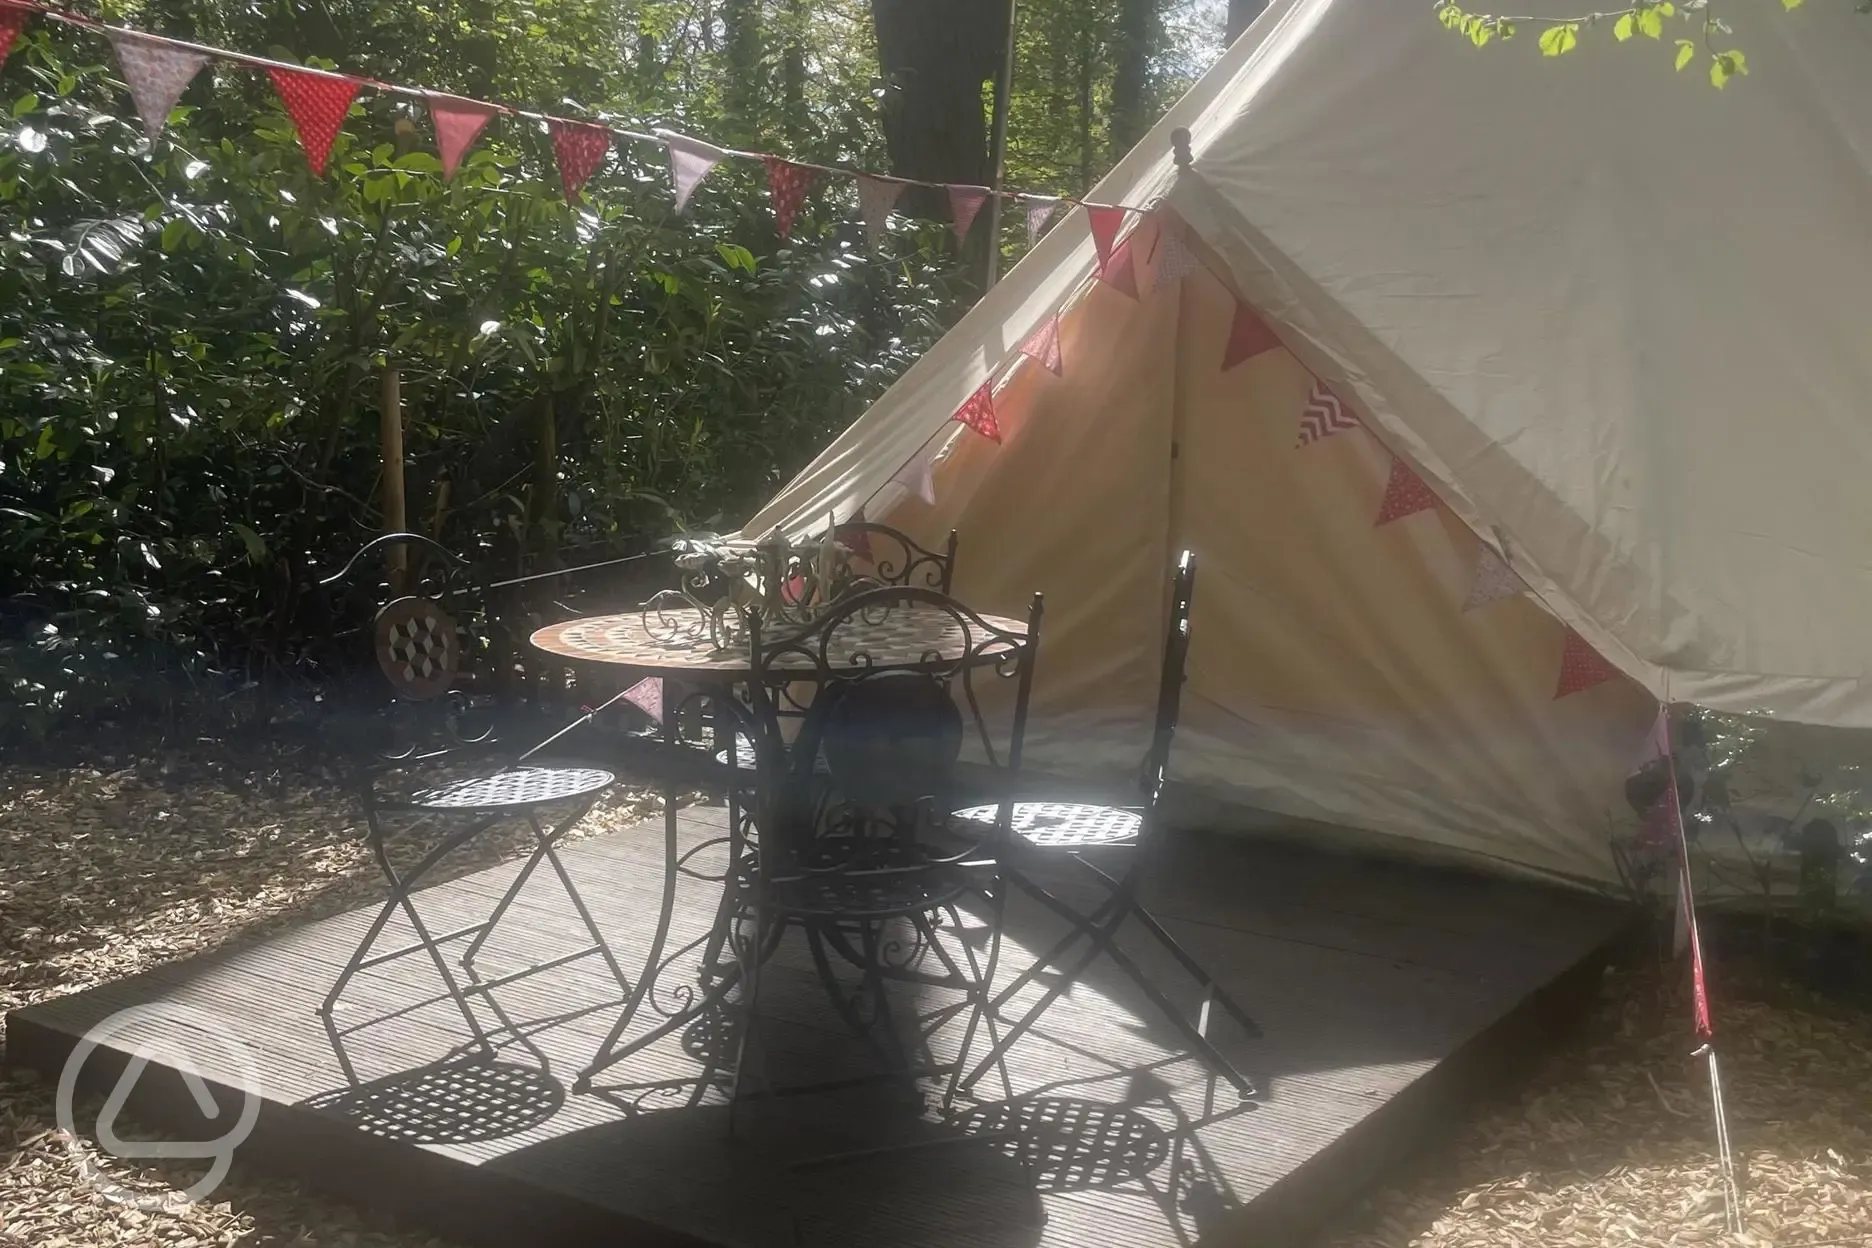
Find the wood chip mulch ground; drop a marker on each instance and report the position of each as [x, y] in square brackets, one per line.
[102, 875]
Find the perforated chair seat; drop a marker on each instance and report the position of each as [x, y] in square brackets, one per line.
[744, 758]
[1065, 825]
[513, 787]
[868, 895]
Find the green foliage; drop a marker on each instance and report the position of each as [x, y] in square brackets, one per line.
[1646, 18]
[192, 332]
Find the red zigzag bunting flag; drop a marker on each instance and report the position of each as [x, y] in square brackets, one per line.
[1323, 416]
[1405, 494]
[1249, 336]
[1581, 667]
[12, 22]
[978, 413]
[1043, 345]
[580, 148]
[317, 104]
[787, 183]
[1120, 271]
[457, 122]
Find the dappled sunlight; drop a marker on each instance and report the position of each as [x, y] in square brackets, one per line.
[1613, 1142]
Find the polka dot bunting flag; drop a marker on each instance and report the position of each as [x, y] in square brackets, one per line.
[317, 104]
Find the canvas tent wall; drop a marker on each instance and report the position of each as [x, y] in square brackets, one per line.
[1608, 316]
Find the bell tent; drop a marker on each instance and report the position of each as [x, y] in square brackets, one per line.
[1501, 397]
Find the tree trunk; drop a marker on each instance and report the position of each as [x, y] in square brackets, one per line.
[1131, 104]
[934, 59]
[1087, 156]
[793, 119]
[1241, 13]
[741, 45]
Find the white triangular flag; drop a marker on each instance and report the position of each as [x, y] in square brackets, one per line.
[918, 475]
[158, 72]
[876, 198]
[1175, 261]
[1493, 579]
[690, 161]
[1039, 212]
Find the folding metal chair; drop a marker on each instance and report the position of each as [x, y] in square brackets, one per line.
[405, 766]
[1069, 829]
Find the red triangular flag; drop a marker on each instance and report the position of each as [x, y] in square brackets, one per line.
[1581, 667]
[1120, 271]
[964, 203]
[854, 539]
[579, 147]
[1405, 494]
[457, 122]
[788, 184]
[317, 104]
[1043, 345]
[1249, 336]
[1105, 223]
[12, 22]
[978, 413]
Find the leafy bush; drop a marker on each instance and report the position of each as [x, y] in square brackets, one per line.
[193, 334]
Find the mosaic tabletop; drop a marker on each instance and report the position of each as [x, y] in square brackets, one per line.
[674, 641]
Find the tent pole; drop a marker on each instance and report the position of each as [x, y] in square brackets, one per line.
[1004, 91]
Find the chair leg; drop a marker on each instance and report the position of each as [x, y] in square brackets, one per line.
[401, 886]
[1026, 1022]
[1052, 957]
[997, 916]
[1212, 991]
[1195, 1038]
[507, 899]
[548, 848]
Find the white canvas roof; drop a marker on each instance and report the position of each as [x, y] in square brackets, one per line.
[1616, 319]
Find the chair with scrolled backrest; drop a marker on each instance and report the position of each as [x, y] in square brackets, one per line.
[882, 556]
[1068, 829]
[426, 747]
[893, 557]
[845, 850]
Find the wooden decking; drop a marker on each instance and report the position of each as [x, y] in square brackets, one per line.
[1388, 993]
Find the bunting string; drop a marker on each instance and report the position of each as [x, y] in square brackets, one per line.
[157, 59]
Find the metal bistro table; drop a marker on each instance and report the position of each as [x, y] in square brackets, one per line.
[676, 644]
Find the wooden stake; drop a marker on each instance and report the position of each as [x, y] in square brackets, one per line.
[390, 432]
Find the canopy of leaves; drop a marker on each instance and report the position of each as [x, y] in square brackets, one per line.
[193, 330]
